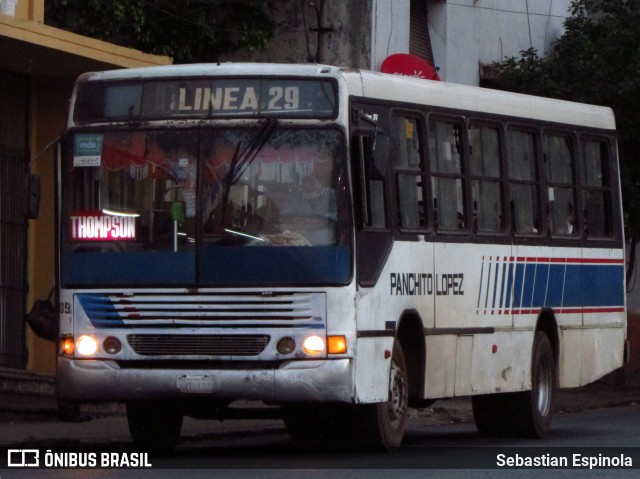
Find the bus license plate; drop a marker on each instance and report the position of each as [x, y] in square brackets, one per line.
[195, 384]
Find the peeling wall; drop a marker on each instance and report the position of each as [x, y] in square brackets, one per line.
[348, 43]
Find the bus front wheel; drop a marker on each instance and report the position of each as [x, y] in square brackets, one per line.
[376, 426]
[385, 422]
[154, 424]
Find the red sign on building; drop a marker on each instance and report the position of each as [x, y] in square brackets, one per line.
[409, 65]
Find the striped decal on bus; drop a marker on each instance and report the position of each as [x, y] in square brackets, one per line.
[524, 285]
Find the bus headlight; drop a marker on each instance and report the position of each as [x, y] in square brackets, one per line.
[86, 346]
[313, 345]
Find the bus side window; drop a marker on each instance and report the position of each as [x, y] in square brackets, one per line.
[596, 189]
[523, 184]
[410, 181]
[370, 165]
[447, 181]
[486, 185]
[561, 185]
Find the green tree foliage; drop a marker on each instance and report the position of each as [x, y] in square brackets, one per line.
[597, 60]
[187, 30]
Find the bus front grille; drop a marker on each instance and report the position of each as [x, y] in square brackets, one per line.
[225, 310]
[198, 344]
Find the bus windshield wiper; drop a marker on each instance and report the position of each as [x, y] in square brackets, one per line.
[242, 160]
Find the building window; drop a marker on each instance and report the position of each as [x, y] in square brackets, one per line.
[419, 41]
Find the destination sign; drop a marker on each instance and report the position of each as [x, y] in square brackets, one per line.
[197, 98]
[239, 99]
[97, 226]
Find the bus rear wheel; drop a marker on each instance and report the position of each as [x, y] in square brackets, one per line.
[154, 424]
[525, 414]
[537, 405]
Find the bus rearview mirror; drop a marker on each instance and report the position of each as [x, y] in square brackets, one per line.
[32, 207]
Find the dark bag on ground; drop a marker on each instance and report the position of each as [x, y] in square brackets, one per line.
[43, 319]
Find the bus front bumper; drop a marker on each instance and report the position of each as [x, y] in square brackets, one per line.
[103, 381]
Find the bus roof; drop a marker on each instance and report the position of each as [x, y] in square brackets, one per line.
[395, 88]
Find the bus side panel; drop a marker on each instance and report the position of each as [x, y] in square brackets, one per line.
[500, 362]
[372, 369]
[471, 302]
[604, 318]
[591, 313]
[602, 352]
[371, 366]
[441, 366]
[569, 361]
[405, 286]
[584, 291]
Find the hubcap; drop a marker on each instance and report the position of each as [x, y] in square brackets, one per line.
[544, 386]
[398, 394]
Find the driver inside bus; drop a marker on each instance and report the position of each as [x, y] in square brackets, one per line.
[309, 211]
[319, 199]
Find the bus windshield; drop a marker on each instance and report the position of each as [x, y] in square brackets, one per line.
[217, 206]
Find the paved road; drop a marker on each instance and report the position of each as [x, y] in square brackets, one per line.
[454, 449]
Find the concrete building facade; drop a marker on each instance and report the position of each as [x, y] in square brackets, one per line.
[459, 37]
[467, 36]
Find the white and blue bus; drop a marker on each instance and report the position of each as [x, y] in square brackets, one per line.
[341, 245]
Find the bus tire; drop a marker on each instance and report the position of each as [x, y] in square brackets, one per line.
[308, 424]
[369, 426]
[154, 424]
[524, 414]
[383, 424]
[489, 414]
[326, 426]
[534, 409]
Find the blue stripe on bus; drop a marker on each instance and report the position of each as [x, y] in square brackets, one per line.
[542, 277]
[509, 299]
[573, 286]
[556, 285]
[518, 284]
[534, 285]
[605, 285]
[100, 310]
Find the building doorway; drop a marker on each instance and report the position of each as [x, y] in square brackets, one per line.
[14, 164]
